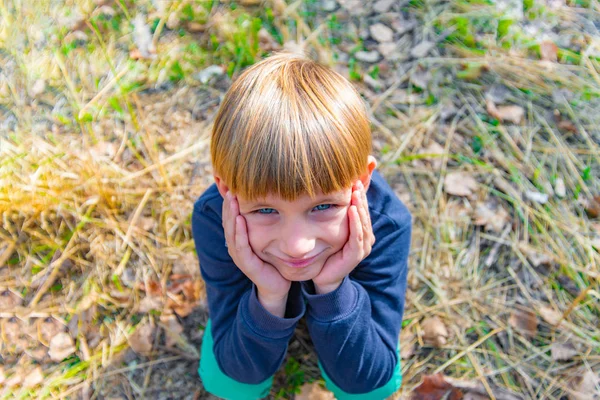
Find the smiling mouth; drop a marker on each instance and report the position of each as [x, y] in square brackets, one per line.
[300, 263]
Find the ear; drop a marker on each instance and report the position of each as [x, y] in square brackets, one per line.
[366, 177]
[221, 185]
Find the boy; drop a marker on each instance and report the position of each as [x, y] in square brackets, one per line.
[299, 223]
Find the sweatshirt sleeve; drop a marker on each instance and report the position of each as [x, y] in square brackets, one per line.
[250, 343]
[355, 328]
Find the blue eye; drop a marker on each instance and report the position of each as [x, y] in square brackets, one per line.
[323, 207]
[265, 211]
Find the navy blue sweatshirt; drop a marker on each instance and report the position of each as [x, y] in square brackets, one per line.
[355, 328]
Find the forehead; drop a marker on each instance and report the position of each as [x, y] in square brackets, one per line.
[272, 200]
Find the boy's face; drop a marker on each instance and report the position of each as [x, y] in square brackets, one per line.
[297, 237]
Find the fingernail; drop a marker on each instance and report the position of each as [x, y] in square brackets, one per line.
[360, 185]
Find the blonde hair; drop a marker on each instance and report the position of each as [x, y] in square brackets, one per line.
[289, 126]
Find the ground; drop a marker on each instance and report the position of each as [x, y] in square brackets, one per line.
[485, 123]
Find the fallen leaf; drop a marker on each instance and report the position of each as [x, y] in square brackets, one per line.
[313, 391]
[549, 51]
[592, 207]
[141, 340]
[48, 328]
[150, 303]
[61, 347]
[434, 331]
[585, 387]
[267, 41]
[524, 321]
[173, 329]
[38, 88]
[550, 315]
[568, 284]
[180, 306]
[491, 215]
[435, 387]
[460, 184]
[15, 379]
[250, 3]
[407, 344]
[34, 378]
[195, 27]
[9, 300]
[568, 126]
[563, 351]
[475, 390]
[153, 287]
[514, 114]
[434, 149]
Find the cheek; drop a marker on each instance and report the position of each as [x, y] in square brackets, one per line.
[256, 235]
[336, 230]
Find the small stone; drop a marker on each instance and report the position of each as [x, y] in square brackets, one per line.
[207, 73]
[381, 33]
[498, 94]
[420, 78]
[383, 6]
[368, 56]
[536, 197]
[374, 84]
[173, 21]
[422, 49]
[559, 187]
[329, 5]
[387, 48]
[402, 26]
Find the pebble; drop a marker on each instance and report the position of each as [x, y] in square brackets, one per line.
[374, 84]
[559, 187]
[329, 5]
[383, 6]
[422, 49]
[402, 26]
[368, 56]
[381, 33]
[537, 197]
[387, 49]
[207, 73]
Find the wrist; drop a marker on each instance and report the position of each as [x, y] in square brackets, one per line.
[274, 304]
[327, 288]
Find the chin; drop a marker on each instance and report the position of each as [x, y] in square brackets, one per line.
[300, 274]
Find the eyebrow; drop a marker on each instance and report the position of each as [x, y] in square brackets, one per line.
[325, 200]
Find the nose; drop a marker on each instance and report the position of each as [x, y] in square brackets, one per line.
[297, 241]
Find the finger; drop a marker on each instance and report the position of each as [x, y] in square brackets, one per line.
[229, 220]
[365, 217]
[356, 231]
[365, 202]
[362, 212]
[242, 244]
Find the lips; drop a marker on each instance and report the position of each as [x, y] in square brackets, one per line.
[300, 263]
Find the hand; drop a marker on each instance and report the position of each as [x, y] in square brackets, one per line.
[272, 287]
[359, 244]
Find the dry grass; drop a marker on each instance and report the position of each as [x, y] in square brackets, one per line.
[98, 178]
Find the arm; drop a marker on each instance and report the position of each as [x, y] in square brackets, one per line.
[355, 327]
[249, 341]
